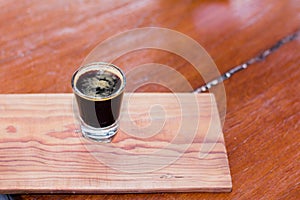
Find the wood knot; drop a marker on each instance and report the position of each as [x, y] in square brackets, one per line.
[11, 129]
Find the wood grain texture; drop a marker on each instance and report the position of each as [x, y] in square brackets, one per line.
[47, 41]
[269, 148]
[42, 43]
[177, 147]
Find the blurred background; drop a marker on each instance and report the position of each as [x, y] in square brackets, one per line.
[43, 42]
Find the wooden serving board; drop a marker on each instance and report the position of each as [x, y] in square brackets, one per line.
[166, 143]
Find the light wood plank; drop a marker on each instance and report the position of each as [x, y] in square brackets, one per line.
[42, 151]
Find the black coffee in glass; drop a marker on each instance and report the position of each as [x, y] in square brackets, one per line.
[99, 88]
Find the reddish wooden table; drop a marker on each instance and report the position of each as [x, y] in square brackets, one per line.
[43, 42]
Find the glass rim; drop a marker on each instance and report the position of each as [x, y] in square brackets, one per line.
[98, 64]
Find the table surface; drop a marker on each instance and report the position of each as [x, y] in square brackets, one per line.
[43, 42]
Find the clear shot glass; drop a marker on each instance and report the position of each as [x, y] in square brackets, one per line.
[98, 88]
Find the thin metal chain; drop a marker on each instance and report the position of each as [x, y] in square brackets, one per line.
[245, 65]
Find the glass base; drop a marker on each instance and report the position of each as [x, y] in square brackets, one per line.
[104, 135]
